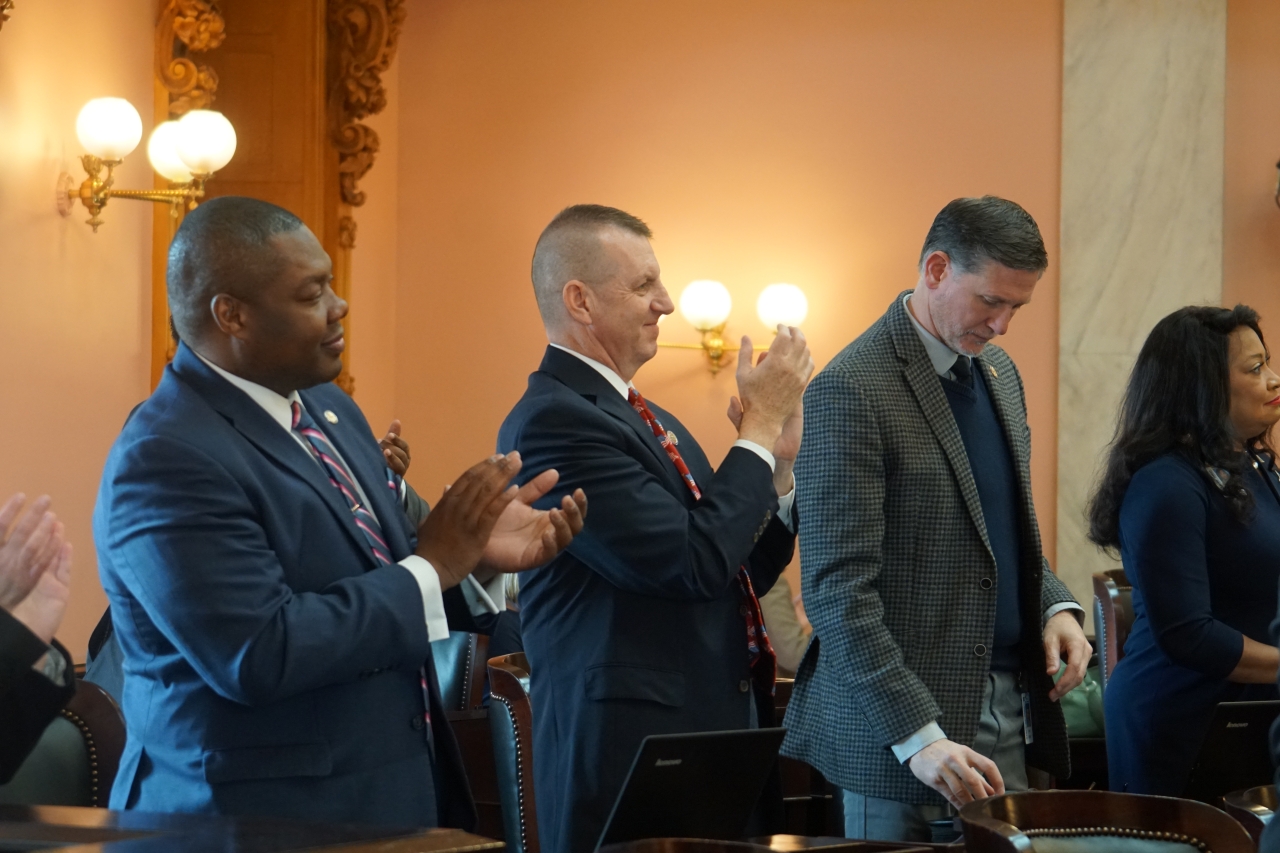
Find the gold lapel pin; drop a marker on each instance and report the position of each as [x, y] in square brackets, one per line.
[330, 416]
[671, 437]
[993, 370]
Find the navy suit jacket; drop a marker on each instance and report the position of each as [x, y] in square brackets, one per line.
[636, 629]
[271, 666]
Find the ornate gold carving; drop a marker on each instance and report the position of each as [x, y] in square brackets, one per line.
[6, 6]
[186, 27]
[362, 43]
[347, 232]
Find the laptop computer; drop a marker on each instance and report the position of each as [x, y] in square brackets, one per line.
[1236, 752]
[699, 785]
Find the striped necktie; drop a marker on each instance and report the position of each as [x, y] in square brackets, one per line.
[340, 477]
[761, 659]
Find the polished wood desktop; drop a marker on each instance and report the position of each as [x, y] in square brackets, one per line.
[82, 830]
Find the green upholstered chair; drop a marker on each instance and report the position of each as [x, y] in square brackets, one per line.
[74, 763]
[1103, 821]
[511, 721]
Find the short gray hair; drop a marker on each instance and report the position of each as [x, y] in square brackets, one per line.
[569, 250]
[972, 231]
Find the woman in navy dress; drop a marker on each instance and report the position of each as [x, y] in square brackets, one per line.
[1191, 501]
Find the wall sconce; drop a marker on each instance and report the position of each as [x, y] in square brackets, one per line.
[186, 152]
[706, 305]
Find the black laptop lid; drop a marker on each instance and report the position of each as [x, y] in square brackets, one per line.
[700, 785]
[1236, 753]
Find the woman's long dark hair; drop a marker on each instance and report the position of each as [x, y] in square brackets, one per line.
[1178, 400]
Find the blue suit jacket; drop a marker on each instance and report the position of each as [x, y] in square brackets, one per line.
[636, 629]
[271, 667]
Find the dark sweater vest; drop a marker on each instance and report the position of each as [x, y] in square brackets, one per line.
[992, 465]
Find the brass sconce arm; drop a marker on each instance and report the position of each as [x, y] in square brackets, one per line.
[713, 346]
[97, 189]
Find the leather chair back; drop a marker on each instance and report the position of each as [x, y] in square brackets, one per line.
[1112, 618]
[460, 665]
[1069, 821]
[511, 720]
[75, 761]
[1253, 808]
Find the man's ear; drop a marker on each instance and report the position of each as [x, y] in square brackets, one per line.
[228, 314]
[936, 267]
[577, 302]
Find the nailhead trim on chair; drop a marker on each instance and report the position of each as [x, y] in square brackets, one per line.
[93, 754]
[515, 732]
[467, 674]
[1123, 831]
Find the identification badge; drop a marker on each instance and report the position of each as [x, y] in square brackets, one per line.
[1028, 735]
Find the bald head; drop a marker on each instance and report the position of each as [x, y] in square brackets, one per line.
[570, 249]
[223, 246]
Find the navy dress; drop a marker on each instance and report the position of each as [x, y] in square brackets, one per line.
[1202, 581]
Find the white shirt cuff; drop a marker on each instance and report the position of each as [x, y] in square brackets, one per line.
[484, 598]
[1065, 605]
[784, 508]
[929, 733]
[432, 596]
[758, 451]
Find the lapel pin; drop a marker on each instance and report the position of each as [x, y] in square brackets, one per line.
[671, 437]
[330, 416]
[993, 370]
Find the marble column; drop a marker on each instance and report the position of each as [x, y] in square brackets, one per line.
[1142, 172]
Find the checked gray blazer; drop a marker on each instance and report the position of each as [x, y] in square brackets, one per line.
[894, 559]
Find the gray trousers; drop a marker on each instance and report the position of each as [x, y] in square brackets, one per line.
[999, 738]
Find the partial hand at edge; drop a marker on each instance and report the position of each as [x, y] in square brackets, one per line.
[395, 449]
[1064, 638]
[45, 606]
[29, 549]
[956, 772]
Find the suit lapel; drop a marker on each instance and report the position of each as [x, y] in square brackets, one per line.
[587, 381]
[927, 388]
[252, 422]
[369, 469]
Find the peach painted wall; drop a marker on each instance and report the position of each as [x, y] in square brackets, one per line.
[1251, 220]
[810, 142]
[74, 305]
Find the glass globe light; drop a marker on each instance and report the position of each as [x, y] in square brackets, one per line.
[162, 151]
[705, 304]
[109, 128]
[206, 141]
[782, 303]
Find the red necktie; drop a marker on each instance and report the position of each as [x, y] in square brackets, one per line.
[760, 656]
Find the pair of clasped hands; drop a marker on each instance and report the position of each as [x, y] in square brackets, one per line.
[483, 524]
[35, 566]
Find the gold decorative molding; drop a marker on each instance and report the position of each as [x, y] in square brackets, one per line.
[6, 6]
[362, 44]
[186, 27]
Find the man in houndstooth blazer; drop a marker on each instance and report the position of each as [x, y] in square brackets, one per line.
[908, 698]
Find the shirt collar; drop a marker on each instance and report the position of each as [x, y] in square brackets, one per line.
[615, 380]
[279, 408]
[941, 356]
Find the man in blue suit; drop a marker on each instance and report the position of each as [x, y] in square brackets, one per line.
[649, 622]
[274, 606]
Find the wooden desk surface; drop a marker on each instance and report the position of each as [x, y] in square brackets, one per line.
[81, 830]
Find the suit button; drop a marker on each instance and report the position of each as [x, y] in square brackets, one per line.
[417, 723]
[979, 650]
[744, 686]
[985, 583]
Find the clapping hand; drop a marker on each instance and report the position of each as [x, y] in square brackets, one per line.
[481, 517]
[395, 449]
[28, 550]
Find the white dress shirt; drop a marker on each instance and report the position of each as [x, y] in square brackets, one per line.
[943, 358]
[479, 599]
[623, 387]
